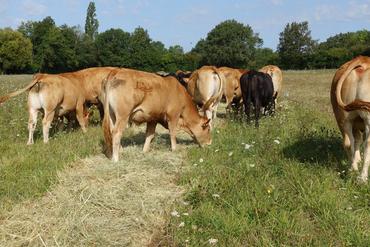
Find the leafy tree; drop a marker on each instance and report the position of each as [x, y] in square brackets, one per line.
[15, 51]
[340, 48]
[230, 43]
[296, 46]
[264, 56]
[143, 51]
[113, 48]
[26, 28]
[91, 23]
[86, 51]
[53, 47]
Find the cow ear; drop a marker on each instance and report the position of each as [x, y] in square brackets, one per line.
[206, 124]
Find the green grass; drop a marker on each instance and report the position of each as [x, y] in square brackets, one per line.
[28, 171]
[295, 193]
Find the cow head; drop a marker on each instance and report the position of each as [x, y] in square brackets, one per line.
[202, 132]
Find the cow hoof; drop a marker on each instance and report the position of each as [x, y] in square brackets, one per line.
[362, 179]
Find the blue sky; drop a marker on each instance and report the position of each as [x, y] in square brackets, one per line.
[185, 22]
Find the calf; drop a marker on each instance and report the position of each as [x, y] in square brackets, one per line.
[257, 88]
[142, 97]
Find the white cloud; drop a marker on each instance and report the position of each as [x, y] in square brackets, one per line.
[327, 12]
[33, 8]
[348, 12]
[358, 11]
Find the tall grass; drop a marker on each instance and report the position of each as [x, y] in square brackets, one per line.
[284, 184]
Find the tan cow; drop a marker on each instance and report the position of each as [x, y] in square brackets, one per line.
[142, 97]
[59, 94]
[277, 78]
[232, 84]
[350, 98]
[206, 87]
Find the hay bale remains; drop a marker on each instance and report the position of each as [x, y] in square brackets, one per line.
[98, 203]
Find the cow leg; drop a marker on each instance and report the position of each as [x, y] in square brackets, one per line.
[356, 155]
[81, 115]
[150, 131]
[257, 111]
[364, 174]
[46, 124]
[209, 114]
[32, 124]
[348, 143]
[214, 111]
[117, 132]
[172, 124]
[101, 110]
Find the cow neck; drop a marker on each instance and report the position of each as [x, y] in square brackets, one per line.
[190, 114]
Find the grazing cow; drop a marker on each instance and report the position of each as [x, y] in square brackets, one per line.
[137, 96]
[183, 77]
[206, 87]
[277, 78]
[59, 94]
[232, 90]
[257, 88]
[350, 98]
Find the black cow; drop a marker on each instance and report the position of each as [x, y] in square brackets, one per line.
[257, 88]
[181, 76]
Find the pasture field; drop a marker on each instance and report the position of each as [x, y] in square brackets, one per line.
[284, 184]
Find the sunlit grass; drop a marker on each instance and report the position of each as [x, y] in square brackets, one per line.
[284, 184]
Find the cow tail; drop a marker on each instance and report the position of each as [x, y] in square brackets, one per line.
[216, 96]
[107, 121]
[13, 94]
[357, 104]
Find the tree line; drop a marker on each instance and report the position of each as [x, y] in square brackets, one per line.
[42, 46]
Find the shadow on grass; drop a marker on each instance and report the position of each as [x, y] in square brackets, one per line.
[315, 149]
[139, 139]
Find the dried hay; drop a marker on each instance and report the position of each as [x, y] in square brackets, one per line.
[99, 203]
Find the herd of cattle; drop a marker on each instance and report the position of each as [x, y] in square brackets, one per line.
[189, 101]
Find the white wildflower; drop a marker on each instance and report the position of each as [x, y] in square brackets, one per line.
[277, 141]
[195, 164]
[174, 213]
[216, 150]
[355, 197]
[182, 224]
[201, 160]
[212, 241]
[216, 196]
[252, 165]
[217, 131]
[247, 146]
[185, 214]
[230, 154]
[243, 143]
